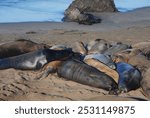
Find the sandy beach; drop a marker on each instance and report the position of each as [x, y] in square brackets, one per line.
[130, 27]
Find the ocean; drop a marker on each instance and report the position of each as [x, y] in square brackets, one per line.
[50, 10]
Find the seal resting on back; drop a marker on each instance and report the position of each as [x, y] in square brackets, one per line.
[18, 47]
[129, 77]
[34, 60]
[82, 73]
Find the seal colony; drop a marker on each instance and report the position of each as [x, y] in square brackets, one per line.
[99, 63]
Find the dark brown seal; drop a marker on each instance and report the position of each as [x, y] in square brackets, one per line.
[80, 72]
[34, 60]
[18, 47]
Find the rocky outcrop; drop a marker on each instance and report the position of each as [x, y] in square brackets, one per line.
[93, 5]
[77, 11]
[75, 15]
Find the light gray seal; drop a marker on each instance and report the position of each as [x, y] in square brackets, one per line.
[34, 60]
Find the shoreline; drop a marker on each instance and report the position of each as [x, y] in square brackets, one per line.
[110, 21]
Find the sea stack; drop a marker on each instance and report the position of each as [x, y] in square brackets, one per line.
[78, 11]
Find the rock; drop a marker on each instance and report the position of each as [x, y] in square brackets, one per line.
[75, 15]
[93, 6]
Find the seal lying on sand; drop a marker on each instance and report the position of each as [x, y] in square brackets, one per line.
[126, 55]
[80, 72]
[138, 60]
[144, 47]
[80, 48]
[129, 77]
[116, 48]
[34, 60]
[97, 46]
[18, 47]
[102, 58]
[103, 68]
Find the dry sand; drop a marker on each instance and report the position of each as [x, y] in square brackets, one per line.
[130, 27]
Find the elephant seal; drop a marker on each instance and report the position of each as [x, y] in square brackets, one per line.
[97, 46]
[34, 60]
[60, 47]
[102, 58]
[145, 83]
[129, 77]
[80, 72]
[80, 48]
[103, 68]
[126, 55]
[144, 47]
[116, 48]
[19, 47]
[134, 57]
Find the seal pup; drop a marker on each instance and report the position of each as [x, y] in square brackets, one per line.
[80, 72]
[103, 68]
[129, 77]
[34, 60]
[97, 46]
[18, 47]
[116, 48]
[102, 58]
